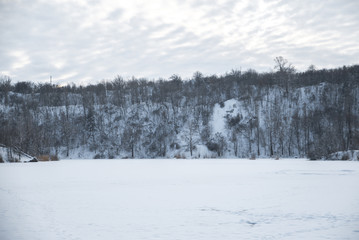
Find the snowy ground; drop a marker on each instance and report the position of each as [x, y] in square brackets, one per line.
[179, 199]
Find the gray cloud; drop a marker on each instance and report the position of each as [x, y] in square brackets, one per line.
[83, 42]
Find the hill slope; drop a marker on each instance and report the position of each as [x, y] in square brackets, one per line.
[284, 114]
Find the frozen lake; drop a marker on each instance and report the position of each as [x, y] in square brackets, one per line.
[179, 199]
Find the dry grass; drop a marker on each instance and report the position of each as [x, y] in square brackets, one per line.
[179, 156]
[46, 158]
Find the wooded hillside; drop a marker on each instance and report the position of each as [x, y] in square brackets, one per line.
[281, 114]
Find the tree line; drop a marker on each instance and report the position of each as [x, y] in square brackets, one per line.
[283, 113]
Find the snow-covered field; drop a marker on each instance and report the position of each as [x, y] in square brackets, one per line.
[179, 199]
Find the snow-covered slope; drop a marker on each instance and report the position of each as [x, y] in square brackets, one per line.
[345, 155]
[230, 108]
[13, 155]
[311, 114]
[3, 154]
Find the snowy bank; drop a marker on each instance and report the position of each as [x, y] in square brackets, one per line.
[14, 155]
[345, 155]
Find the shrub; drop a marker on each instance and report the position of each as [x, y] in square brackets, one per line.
[179, 156]
[212, 146]
[312, 155]
[233, 121]
[1, 159]
[99, 156]
[43, 158]
[253, 156]
[345, 157]
[46, 158]
[175, 145]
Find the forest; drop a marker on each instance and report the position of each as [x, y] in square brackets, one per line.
[244, 114]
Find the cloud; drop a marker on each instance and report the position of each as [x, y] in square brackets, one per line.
[87, 41]
[21, 59]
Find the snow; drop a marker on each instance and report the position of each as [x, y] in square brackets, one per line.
[19, 157]
[180, 199]
[345, 155]
[231, 107]
[3, 153]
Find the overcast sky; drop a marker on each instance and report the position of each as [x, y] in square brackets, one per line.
[87, 41]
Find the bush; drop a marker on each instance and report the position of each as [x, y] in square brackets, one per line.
[175, 145]
[99, 156]
[313, 155]
[253, 156]
[233, 121]
[345, 157]
[210, 156]
[1, 159]
[212, 146]
[46, 158]
[43, 158]
[179, 156]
